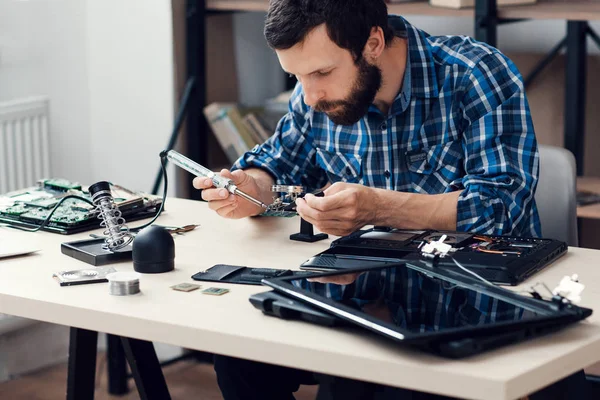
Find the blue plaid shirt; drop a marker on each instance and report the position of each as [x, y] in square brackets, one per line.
[460, 122]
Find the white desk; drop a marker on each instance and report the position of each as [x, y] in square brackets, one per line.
[230, 325]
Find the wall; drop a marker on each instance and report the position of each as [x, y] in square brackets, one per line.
[258, 70]
[43, 52]
[107, 67]
[130, 60]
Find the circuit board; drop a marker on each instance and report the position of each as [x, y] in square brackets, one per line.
[29, 207]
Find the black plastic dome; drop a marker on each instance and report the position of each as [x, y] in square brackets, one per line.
[153, 251]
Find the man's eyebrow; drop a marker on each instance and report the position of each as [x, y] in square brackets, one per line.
[313, 72]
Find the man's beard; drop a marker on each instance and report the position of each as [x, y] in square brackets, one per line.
[356, 105]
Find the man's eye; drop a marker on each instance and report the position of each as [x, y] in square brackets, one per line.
[321, 73]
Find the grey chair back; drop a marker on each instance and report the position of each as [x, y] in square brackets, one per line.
[556, 194]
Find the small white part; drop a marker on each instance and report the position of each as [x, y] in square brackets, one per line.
[437, 247]
[569, 288]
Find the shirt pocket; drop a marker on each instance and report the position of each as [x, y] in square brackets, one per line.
[436, 167]
[340, 167]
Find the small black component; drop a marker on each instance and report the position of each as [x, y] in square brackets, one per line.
[251, 278]
[239, 274]
[307, 234]
[153, 251]
[266, 271]
[276, 305]
[97, 187]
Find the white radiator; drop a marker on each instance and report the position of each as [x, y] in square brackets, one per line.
[24, 143]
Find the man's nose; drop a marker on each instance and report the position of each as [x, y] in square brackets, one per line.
[312, 95]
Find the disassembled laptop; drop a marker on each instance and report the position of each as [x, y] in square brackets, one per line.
[568, 290]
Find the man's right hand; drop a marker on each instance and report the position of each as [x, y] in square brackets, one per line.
[226, 204]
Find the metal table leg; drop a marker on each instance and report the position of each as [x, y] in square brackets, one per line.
[116, 366]
[82, 364]
[146, 369]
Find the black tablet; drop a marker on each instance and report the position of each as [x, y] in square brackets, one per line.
[434, 309]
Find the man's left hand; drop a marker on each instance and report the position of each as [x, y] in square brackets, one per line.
[345, 208]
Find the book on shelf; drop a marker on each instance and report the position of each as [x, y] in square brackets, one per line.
[279, 103]
[225, 130]
[471, 3]
[256, 128]
[239, 129]
[234, 113]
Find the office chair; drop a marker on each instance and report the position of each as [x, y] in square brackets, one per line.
[556, 194]
[557, 206]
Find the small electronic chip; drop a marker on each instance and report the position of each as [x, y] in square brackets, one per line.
[185, 287]
[215, 291]
[61, 184]
[43, 203]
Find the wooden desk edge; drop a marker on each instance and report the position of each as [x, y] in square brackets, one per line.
[459, 385]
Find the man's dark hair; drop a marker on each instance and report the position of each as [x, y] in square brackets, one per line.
[348, 22]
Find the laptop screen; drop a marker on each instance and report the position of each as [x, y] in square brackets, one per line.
[409, 300]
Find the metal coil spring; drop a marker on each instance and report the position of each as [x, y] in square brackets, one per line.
[116, 232]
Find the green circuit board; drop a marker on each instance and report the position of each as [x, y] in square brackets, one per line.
[31, 206]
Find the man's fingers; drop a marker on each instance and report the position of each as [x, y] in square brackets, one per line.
[335, 188]
[227, 210]
[205, 183]
[306, 211]
[225, 173]
[327, 203]
[216, 205]
[305, 208]
[202, 183]
[320, 220]
[215, 194]
[239, 177]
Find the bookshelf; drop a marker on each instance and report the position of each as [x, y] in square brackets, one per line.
[577, 13]
[415, 8]
[576, 10]
[570, 10]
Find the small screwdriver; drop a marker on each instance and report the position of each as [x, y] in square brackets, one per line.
[203, 172]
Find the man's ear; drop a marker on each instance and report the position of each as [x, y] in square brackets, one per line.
[375, 44]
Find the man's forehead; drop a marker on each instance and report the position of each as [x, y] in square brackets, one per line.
[316, 52]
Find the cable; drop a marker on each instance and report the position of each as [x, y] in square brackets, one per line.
[163, 157]
[471, 272]
[45, 221]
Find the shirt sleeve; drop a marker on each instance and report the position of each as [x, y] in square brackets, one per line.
[289, 155]
[501, 155]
